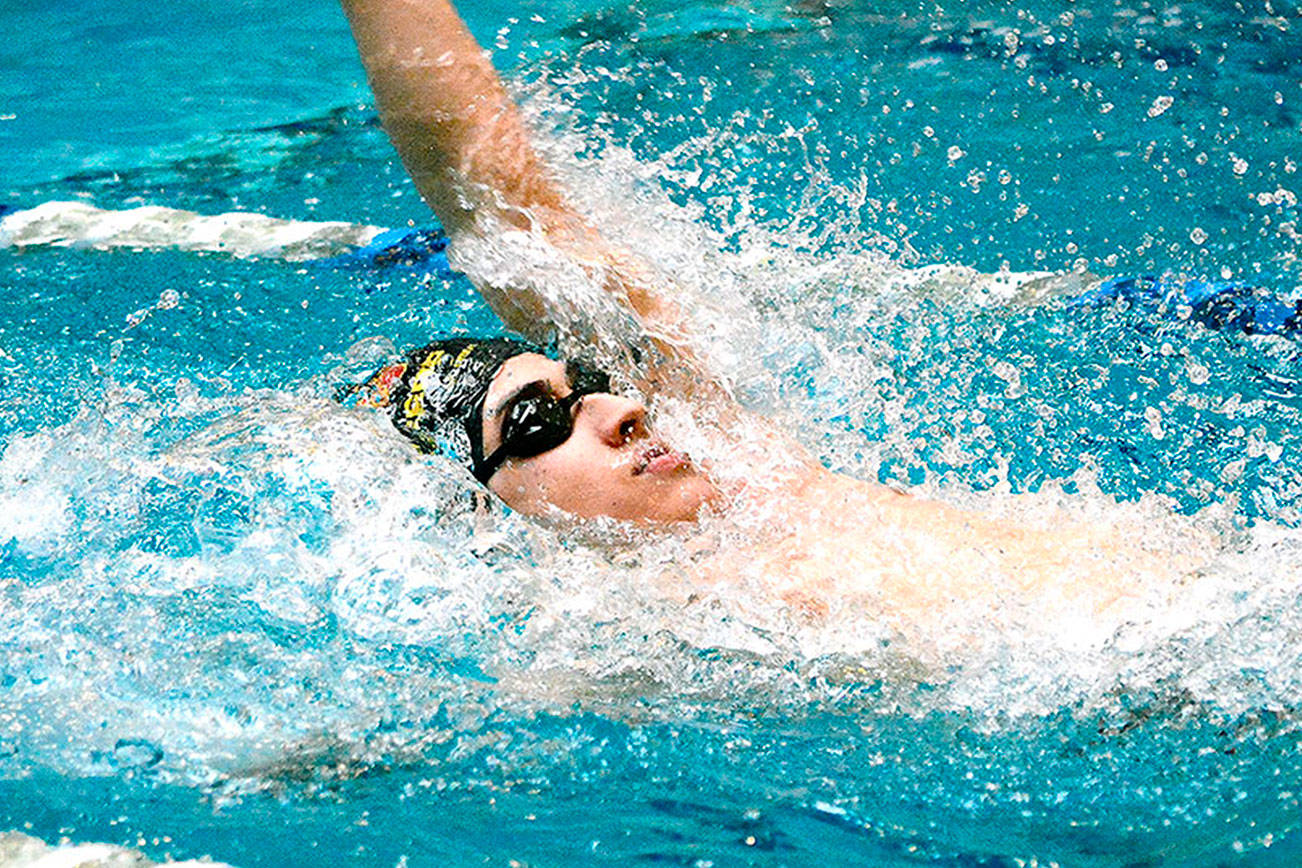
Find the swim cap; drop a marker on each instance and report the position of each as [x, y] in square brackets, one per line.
[437, 395]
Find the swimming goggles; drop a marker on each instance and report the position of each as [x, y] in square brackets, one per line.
[536, 421]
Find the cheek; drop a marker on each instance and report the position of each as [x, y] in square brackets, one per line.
[520, 491]
[561, 479]
[572, 479]
[590, 490]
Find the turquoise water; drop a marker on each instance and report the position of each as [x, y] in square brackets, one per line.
[241, 621]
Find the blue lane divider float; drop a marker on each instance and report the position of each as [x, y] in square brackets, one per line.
[398, 248]
[1217, 304]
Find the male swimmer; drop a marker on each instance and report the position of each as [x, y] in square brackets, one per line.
[550, 437]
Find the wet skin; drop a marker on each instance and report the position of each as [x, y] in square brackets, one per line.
[610, 465]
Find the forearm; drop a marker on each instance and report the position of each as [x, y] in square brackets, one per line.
[456, 129]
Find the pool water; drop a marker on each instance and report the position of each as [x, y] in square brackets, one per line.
[243, 621]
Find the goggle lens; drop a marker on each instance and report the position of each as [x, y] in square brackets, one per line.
[538, 421]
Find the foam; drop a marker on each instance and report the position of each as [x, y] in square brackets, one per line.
[24, 851]
[239, 234]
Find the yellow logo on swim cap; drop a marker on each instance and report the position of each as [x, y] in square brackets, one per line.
[414, 406]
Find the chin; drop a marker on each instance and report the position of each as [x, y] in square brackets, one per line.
[683, 504]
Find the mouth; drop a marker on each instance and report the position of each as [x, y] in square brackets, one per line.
[658, 459]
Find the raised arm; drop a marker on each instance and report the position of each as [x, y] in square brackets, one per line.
[465, 145]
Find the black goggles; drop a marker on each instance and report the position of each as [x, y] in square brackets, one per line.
[537, 421]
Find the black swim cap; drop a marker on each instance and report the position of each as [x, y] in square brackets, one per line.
[437, 395]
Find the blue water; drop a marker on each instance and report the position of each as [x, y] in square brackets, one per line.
[240, 621]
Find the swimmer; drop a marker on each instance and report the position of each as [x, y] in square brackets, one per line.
[550, 437]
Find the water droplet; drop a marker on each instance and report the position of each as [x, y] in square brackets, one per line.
[954, 153]
[1160, 105]
[136, 753]
[1197, 236]
[1160, 65]
[1005, 370]
[1240, 165]
[1233, 471]
[1153, 417]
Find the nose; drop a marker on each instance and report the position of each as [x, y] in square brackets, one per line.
[616, 419]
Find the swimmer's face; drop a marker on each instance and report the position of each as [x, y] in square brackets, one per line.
[610, 464]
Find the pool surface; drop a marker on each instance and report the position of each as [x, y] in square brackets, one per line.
[243, 621]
